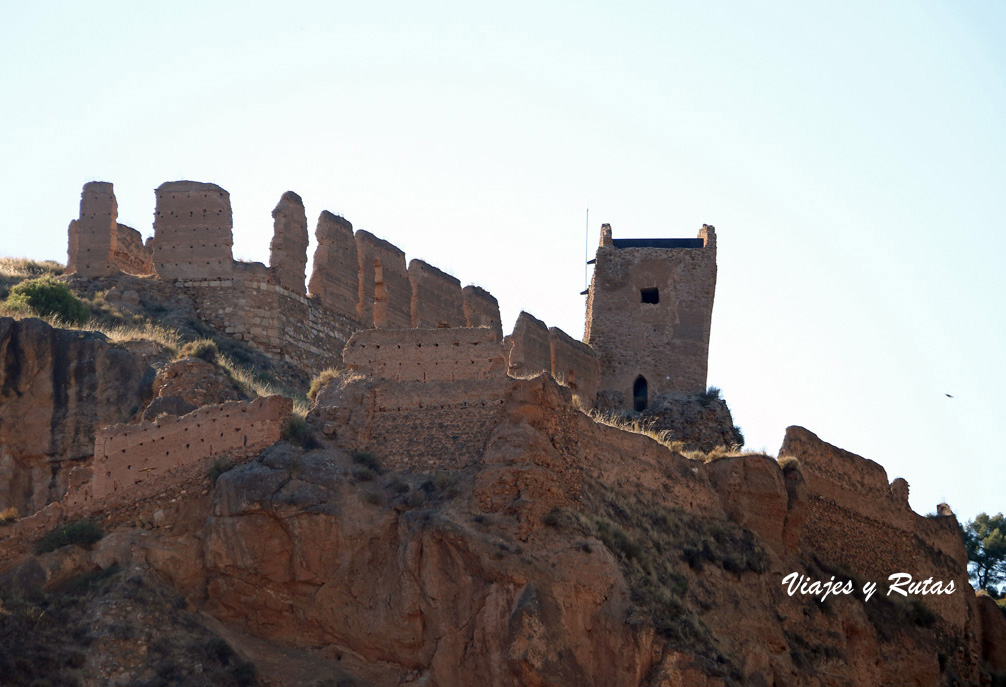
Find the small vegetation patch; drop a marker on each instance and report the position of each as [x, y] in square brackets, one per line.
[637, 425]
[8, 515]
[297, 431]
[82, 533]
[368, 461]
[204, 349]
[219, 467]
[708, 396]
[323, 378]
[49, 298]
[440, 485]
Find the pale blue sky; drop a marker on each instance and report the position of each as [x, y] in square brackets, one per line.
[851, 155]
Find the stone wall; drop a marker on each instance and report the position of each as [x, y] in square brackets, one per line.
[126, 455]
[423, 355]
[574, 364]
[649, 312]
[385, 292]
[481, 309]
[276, 321]
[288, 250]
[95, 231]
[436, 297]
[335, 276]
[192, 231]
[527, 349]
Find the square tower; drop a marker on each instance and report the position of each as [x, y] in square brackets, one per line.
[649, 311]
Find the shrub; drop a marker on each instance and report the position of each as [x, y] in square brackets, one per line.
[323, 378]
[48, 297]
[83, 533]
[219, 467]
[204, 349]
[709, 395]
[298, 432]
[368, 461]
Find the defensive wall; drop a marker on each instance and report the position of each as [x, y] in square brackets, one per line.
[135, 466]
[359, 280]
[423, 399]
[857, 522]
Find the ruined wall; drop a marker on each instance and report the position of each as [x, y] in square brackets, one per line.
[192, 231]
[423, 355]
[385, 294]
[274, 320]
[436, 297]
[131, 256]
[335, 276]
[481, 309]
[528, 350]
[95, 231]
[649, 312]
[72, 235]
[430, 397]
[126, 455]
[574, 364]
[288, 249]
[854, 520]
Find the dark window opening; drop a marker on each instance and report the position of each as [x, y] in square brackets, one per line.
[649, 295]
[639, 393]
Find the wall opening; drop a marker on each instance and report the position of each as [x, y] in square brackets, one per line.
[639, 394]
[649, 295]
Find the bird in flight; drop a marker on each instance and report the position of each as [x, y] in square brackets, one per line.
[948, 395]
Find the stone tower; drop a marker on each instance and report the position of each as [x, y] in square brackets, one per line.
[649, 309]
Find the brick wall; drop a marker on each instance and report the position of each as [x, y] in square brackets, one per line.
[436, 297]
[385, 292]
[192, 231]
[574, 364]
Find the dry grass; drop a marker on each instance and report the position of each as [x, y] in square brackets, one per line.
[637, 426]
[116, 333]
[8, 515]
[789, 462]
[257, 384]
[23, 268]
[323, 378]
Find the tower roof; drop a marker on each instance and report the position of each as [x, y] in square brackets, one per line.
[657, 243]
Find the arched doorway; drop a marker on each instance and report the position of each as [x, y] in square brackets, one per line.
[639, 394]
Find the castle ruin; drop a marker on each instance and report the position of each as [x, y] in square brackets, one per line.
[649, 311]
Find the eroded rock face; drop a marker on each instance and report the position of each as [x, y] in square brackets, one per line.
[56, 388]
[190, 383]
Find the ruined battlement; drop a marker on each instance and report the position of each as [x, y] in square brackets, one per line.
[359, 281]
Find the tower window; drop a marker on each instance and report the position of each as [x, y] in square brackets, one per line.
[649, 295]
[639, 394]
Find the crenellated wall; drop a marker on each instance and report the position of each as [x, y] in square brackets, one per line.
[575, 365]
[335, 279]
[481, 309]
[385, 298]
[288, 249]
[527, 348]
[436, 297]
[425, 355]
[192, 231]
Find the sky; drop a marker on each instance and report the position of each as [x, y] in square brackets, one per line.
[851, 156]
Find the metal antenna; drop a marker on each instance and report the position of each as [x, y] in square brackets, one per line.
[586, 247]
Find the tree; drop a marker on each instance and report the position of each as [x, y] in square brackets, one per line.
[985, 541]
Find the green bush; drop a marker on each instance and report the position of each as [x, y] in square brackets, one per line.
[82, 532]
[298, 432]
[368, 461]
[48, 297]
[204, 349]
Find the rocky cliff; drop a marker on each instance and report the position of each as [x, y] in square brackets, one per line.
[567, 553]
